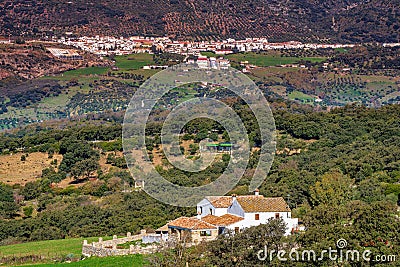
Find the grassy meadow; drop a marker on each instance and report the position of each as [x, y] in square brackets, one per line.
[51, 250]
[130, 260]
[268, 60]
[297, 95]
[134, 61]
[48, 248]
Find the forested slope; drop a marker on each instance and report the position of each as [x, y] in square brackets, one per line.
[311, 20]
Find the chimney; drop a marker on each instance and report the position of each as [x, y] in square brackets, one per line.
[257, 192]
[234, 197]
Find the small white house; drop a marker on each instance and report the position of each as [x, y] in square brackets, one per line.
[202, 62]
[217, 214]
[250, 210]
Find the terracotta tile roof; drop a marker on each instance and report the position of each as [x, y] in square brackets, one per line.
[191, 223]
[211, 219]
[224, 220]
[262, 204]
[220, 202]
[229, 219]
[251, 203]
[163, 228]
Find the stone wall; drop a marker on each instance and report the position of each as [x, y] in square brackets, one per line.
[109, 247]
[152, 239]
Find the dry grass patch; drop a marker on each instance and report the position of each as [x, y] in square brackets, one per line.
[104, 166]
[15, 171]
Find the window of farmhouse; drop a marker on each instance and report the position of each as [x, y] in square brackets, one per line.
[205, 233]
[276, 215]
[257, 217]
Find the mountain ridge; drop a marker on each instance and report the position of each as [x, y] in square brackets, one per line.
[309, 20]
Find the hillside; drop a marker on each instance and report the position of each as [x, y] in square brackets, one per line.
[309, 20]
[368, 75]
[343, 182]
[32, 60]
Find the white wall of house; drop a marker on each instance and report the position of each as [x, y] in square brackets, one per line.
[205, 208]
[220, 211]
[236, 209]
[233, 226]
[250, 220]
[250, 217]
[292, 223]
[263, 217]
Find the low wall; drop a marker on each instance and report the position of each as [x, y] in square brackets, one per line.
[152, 239]
[109, 247]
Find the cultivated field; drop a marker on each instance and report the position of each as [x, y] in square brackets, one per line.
[297, 95]
[134, 61]
[268, 59]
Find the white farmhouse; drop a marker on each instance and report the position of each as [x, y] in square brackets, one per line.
[250, 210]
[218, 214]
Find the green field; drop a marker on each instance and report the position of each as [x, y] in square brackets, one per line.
[209, 54]
[131, 261]
[86, 71]
[79, 73]
[297, 95]
[56, 249]
[146, 73]
[341, 50]
[134, 61]
[48, 248]
[267, 60]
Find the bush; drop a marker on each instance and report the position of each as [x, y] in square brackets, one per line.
[28, 211]
[47, 233]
